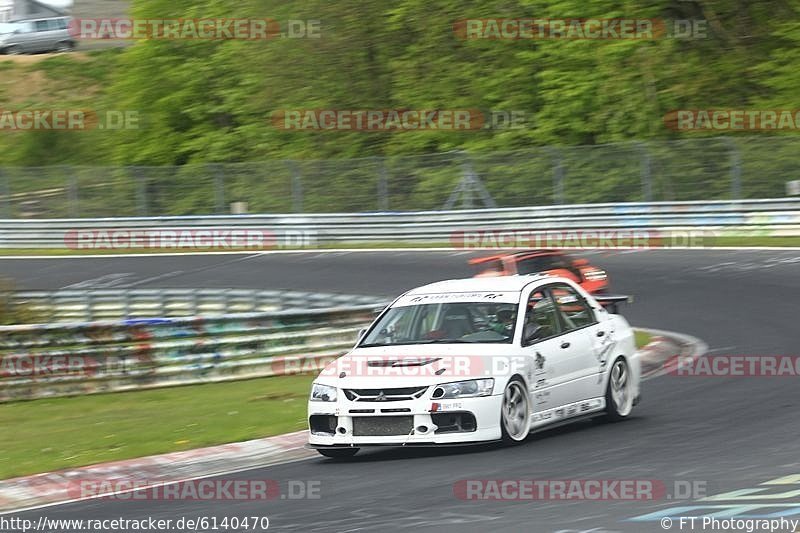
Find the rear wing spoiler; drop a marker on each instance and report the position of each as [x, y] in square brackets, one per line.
[612, 301]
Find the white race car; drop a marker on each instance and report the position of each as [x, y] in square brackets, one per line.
[474, 360]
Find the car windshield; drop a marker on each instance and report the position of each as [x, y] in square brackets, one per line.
[542, 263]
[443, 323]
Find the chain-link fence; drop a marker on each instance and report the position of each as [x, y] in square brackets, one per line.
[692, 169]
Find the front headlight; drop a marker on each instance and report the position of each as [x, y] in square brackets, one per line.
[464, 389]
[323, 393]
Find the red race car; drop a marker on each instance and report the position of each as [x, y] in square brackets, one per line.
[594, 280]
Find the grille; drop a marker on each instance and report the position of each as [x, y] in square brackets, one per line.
[384, 395]
[382, 426]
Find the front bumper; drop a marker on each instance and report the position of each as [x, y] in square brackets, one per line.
[417, 416]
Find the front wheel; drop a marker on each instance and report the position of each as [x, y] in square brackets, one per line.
[338, 453]
[514, 413]
[619, 396]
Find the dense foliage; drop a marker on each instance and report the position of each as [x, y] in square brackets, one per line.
[211, 101]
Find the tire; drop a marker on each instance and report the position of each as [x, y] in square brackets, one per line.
[338, 453]
[515, 413]
[619, 396]
[12, 51]
[65, 46]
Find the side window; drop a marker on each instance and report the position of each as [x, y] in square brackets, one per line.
[574, 311]
[62, 24]
[52, 25]
[42, 25]
[541, 318]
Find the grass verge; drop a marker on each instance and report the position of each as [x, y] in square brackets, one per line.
[785, 242]
[642, 338]
[52, 434]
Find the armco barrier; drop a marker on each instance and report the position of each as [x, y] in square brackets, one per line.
[88, 305]
[257, 232]
[38, 361]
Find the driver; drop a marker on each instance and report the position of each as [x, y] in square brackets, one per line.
[504, 321]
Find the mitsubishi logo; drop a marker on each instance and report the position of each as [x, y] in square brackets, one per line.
[381, 397]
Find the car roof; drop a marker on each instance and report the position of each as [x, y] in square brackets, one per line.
[34, 19]
[516, 256]
[491, 284]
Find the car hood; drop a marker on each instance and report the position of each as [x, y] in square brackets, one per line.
[415, 365]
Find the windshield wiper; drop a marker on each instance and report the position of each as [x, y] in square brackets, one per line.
[444, 341]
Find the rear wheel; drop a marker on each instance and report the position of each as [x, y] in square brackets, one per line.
[65, 46]
[338, 453]
[619, 397]
[514, 413]
[13, 51]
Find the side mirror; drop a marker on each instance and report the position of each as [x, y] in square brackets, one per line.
[531, 333]
[361, 333]
[580, 262]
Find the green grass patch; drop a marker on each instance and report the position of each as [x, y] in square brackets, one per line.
[642, 338]
[45, 435]
[710, 242]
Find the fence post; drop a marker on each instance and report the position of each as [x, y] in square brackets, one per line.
[297, 187]
[647, 176]
[736, 169]
[383, 185]
[558, 176]
[141, 189]
[218, 170]
[5, 194]
[72, 191]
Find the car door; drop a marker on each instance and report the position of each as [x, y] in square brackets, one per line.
[42, 37]
[24, 37]
[541, 352]
[579, 344]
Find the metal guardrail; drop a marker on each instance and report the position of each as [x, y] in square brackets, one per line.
[38, 361]
[114, 304]
[261, 232]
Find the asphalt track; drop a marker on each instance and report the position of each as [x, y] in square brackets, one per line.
[722, 434]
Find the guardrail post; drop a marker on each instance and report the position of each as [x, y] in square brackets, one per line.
[647, 176]
[297, 187]
[5, 194]
[736, 169]
[88, 306]
[383, 185]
